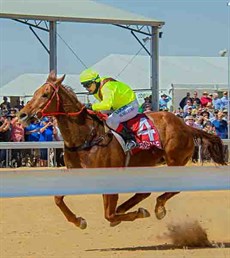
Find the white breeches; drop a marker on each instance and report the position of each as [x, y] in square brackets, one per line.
[122, 114]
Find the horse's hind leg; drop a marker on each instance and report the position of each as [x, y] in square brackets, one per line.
[174, 158]
[130, 203]
[110, 204]
[160, 210]
[70, 216]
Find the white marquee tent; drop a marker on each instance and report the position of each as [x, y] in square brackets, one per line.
[179, 70]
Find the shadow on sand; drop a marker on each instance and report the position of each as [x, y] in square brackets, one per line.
[158, 247]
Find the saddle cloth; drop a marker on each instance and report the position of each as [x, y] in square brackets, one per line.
[145, 133]
[144, 130]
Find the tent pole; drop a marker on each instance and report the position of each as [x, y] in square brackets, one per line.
[154, 68]
[53, 45]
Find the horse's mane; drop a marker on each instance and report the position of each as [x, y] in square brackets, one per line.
[69, 90]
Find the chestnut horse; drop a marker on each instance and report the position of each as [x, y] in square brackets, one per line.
[88, 146]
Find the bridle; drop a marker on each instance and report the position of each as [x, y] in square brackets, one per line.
[55, 94]
[88, 143]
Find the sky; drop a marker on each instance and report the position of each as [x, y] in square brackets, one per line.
[192, 28]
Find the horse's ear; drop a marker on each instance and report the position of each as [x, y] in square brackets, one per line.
[60, 80]
[52, 76]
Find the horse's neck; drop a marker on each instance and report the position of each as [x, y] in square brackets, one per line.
[75, 129]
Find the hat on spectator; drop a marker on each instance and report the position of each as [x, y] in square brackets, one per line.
[163, 95]
[225, 111]
[194, 111]
[205, 112]
[205, 93]
[189, 118]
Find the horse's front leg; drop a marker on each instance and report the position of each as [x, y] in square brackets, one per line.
[110, 204]
[160, 210]
[70, 216]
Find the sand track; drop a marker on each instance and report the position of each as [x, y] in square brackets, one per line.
[35, 228]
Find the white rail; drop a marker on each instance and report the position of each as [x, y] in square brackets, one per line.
[47, 145]
[37, 182]
[41, 145]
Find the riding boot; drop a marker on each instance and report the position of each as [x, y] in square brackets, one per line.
[129, 138]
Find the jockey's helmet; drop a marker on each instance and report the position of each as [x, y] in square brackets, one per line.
[88, 76]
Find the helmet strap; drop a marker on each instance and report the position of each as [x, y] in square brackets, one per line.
[97, 87]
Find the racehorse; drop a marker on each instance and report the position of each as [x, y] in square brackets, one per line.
[88, 146]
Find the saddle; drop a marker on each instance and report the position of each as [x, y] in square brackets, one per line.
[142, 129]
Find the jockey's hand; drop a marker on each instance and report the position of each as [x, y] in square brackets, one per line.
[88, 106]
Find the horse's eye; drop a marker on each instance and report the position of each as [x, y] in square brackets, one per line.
[45, 95]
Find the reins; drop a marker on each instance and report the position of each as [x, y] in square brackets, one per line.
[55, 93]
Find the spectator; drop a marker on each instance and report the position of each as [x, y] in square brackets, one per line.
[147, 103]
[18, 106]
[225, 114]
[224, 101]
[205, 99]
[188, 105]
[190, 121]
[216, 101]
[17, 132]
[163, 101]
[46, 135]
[188, 111]
[17, 135]
[58, 137]
[148, 108]
[195, 100]
[5, 131]
[184, 100]
[32, 134]
[5, 105]
[209, 128]
[206, 116]
[199, 121]
[215, 115]
[221, 126]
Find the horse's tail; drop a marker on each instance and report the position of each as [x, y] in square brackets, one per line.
[211, 143]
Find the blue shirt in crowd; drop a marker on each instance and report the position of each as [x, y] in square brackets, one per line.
[221, 127]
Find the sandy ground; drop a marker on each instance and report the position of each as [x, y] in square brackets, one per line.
[35, 228]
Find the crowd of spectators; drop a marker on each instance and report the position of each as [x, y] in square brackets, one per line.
[208, 112]
[11, 130]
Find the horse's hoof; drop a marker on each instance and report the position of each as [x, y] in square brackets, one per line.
[114, 224]
[143, 213]
[160, 212]
[82, 224]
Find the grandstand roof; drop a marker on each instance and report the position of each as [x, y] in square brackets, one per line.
[179, 70]
[71, 11]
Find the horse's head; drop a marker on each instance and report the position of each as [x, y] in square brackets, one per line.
[45, 100]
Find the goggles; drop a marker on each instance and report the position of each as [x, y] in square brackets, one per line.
[87, 84]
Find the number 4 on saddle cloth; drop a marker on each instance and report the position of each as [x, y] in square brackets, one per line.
[145, 133]
[142, 128]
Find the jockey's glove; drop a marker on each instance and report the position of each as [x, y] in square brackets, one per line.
[88, 106]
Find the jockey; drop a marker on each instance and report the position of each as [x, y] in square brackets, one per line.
[113, 96]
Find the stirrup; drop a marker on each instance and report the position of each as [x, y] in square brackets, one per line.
[131, 144]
